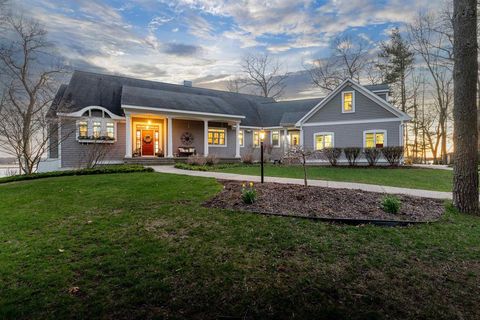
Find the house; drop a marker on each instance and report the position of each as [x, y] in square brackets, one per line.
[138, 119]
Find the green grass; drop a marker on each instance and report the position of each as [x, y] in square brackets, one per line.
[140, 245]
[415, 178]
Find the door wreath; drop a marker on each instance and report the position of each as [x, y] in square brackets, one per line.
[147, 139]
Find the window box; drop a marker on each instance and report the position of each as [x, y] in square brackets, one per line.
[92, 139]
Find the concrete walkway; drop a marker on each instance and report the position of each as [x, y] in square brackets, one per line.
[311, 182]
[433, 166]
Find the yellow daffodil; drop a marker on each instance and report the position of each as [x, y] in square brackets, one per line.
[243, 185]
[251, 184]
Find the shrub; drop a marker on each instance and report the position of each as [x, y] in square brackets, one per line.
[332, 155]
[247, 157]
[372, 155]
[393, 155]
[249, 194]
[196, 160]
[187, 166]
[352, 154]
[391, 204]
[211, 160]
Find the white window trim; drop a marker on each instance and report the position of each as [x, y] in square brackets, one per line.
[375, 131]
[323, 134]
[218, 145]
[243, 137]
[353, 101]
[253, 138]
[103, 129]
[279, 138]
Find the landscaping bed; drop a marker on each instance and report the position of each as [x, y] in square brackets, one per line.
[318, 202]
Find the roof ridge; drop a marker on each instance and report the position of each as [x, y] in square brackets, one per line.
[171, 84]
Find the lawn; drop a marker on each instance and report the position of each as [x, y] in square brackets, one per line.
[140, 245]
[415, 178]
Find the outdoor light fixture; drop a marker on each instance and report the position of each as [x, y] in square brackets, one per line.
[262, 137]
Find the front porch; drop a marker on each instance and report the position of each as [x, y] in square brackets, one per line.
[152, 136]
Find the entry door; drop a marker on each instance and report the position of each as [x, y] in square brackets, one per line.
[147, 142]
[294, 138]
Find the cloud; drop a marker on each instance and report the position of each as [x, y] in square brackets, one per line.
[149, 71]
[180, 49]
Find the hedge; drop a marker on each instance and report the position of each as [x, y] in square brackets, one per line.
[80, 172]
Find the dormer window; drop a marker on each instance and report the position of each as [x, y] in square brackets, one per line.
[348, 101]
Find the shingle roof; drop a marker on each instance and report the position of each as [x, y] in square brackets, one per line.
[272, 113]
[163, 99]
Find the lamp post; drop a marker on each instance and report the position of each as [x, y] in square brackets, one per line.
[262, 137]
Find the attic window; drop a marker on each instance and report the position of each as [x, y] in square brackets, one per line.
[348, 101]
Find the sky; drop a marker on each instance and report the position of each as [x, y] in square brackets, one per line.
[204, 40]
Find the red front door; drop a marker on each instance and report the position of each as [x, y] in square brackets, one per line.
[147, 142]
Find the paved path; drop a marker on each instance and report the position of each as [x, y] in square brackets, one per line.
[433, 166]
[311, 182]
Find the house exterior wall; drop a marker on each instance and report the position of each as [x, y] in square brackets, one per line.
[227, 151]
[53, 140]
[74, 154]
[351, 135]
[276, 152]
[179, 127]
[365, 108]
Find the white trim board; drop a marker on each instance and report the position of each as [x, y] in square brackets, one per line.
[79, 113]
[326, 123]
[174, 111]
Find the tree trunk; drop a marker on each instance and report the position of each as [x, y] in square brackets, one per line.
[465, 174]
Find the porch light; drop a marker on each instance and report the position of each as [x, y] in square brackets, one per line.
[262, 135]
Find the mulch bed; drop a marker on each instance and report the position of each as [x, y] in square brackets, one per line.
[318, 202]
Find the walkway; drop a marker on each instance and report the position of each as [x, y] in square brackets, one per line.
[311, 182]
[433, 166]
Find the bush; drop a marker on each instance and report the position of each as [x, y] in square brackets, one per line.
[249, 194]
[391, 204]
[352, 154]
[393, 155]
[372, 155]
[332, 154]
[211, 160]
[247, 157]
[97, 170]
[193, 167]
[196, 160]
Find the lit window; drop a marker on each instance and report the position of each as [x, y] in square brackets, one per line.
[276, 138]
[374, 139]
[216, 137]
[348, 102]
[97, 126]
[156, 142]
[323, 140]
[240, 138]
[256, 138]
[138, 140]
[110, 130]
[83, 129]
[294, 137]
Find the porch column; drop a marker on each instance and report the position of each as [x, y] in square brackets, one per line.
[205, 137]
[237, 142]
[128, 135]
[301, 137]
[285, 140]
[170, 138]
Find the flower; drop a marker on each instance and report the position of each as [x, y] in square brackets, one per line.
[251, 184]
[243, 185]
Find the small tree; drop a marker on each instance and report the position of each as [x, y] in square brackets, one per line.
[372, 155]
[352, 154]
[94, 153]
[332, 155]
[299, 154]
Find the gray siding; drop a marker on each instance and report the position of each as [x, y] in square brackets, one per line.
[351, 135]
[73, 153]
[365, 108]
[276, 153]
[53, 140]
[179, 127]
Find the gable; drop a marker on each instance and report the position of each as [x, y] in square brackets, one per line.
[365, 109]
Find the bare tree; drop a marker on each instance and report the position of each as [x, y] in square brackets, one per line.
[299, 154]
[349, 58]
[465, 172]
[236, 85]
[28, 90]
[94, 153]
[431, 41]
[264, 74]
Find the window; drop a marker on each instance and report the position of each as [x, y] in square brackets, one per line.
[374, 139]
[110, 130]
[97, 127]
[323, 140]
[348, 102]
[256, 138]
[216, 137]
[275, 138]
[83, 129]
[156, 142]
[294, 137]
[240, 138]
